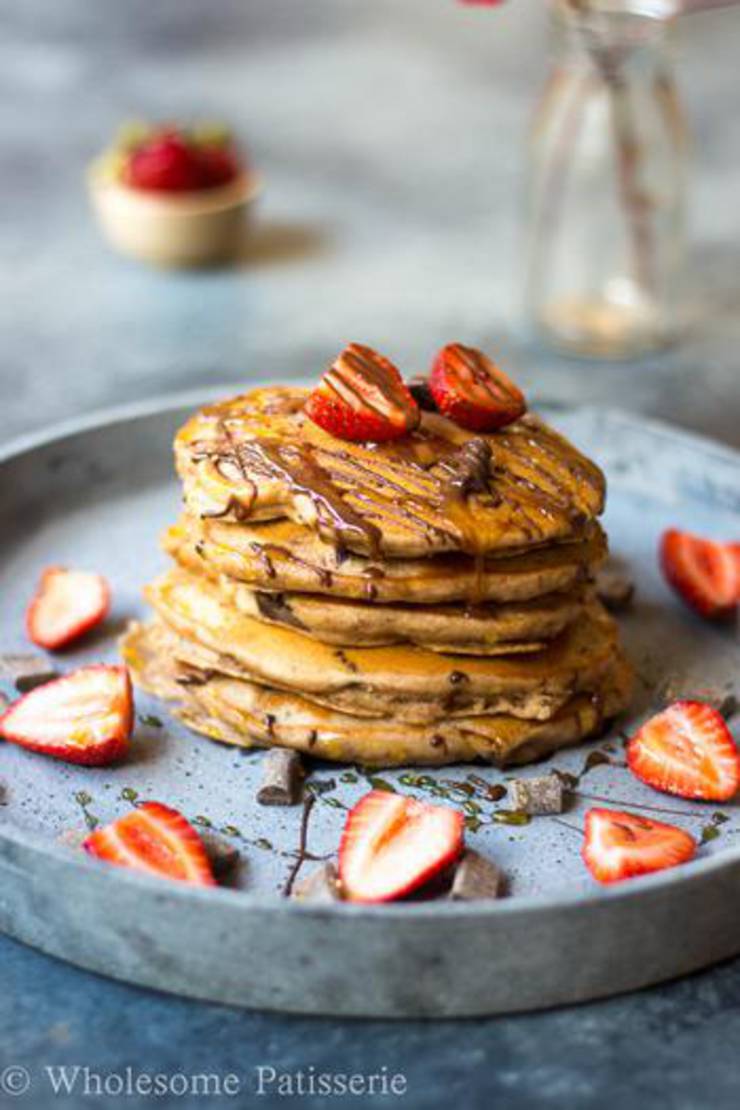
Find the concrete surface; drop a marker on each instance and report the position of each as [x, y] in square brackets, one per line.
[390, 135]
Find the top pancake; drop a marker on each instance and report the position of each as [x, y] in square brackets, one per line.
[440, 489]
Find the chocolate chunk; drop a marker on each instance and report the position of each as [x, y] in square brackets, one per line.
[537, 796]
[26, 671]
[476, 879]
[615, 587]
[320, 886]
[282, 772]
[422, 394]
[728, 707]
[273, 607]
[222, 856]
[470, 468]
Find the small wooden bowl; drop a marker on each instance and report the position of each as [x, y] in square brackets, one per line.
[173, 229]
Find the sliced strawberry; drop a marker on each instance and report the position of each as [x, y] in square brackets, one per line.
[393, 844]
[362, 397]
[621, 845]
[66, 605]
[85, 717]
[687, 750]
[155, 839]
[705, 574]
[472, 391]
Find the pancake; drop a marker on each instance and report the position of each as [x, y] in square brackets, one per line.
[285, 556]
[482, 630]
[407, 682]
[245, 713]
[439, 489]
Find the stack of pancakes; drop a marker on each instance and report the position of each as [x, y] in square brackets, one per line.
[426, 600]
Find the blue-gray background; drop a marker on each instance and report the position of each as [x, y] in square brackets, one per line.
[390, 135]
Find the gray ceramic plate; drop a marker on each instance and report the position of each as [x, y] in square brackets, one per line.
[95, 495]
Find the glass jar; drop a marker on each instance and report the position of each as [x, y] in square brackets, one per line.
[607, 185]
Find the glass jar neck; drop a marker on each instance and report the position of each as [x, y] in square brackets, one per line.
[608, 32]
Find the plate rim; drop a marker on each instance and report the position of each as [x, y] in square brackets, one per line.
[15, 837]
[163, 402]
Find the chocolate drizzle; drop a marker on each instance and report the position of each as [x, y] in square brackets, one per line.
[469, 469]
[295, 464]
[436, 489]
[264, 559]
[362, 378]
[274, 607]
[469, 472]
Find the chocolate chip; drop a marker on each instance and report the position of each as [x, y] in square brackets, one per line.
[615, 587]
[222, 856]
[319, 886]
[274, 607]
[282, 772]
[422, 394]
[469, 468]
[476, 879]
[537, 796]
[26, 670]
[728, 707]
[456, 677]
[346, 661]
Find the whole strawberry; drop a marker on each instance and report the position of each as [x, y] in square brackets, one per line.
[170, 160]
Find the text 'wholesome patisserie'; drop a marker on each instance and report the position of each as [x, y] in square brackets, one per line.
[384, 572]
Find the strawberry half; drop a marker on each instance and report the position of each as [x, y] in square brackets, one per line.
[471, 390]
[66, 605]
[155, 839]
[687, 750]
[85, 717]
[362, 397]
[393, 844]
[704, 573]
[621, 845]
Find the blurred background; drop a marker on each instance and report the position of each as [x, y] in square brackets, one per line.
[391, 137]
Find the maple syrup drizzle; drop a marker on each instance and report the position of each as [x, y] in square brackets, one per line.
[431, 474]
